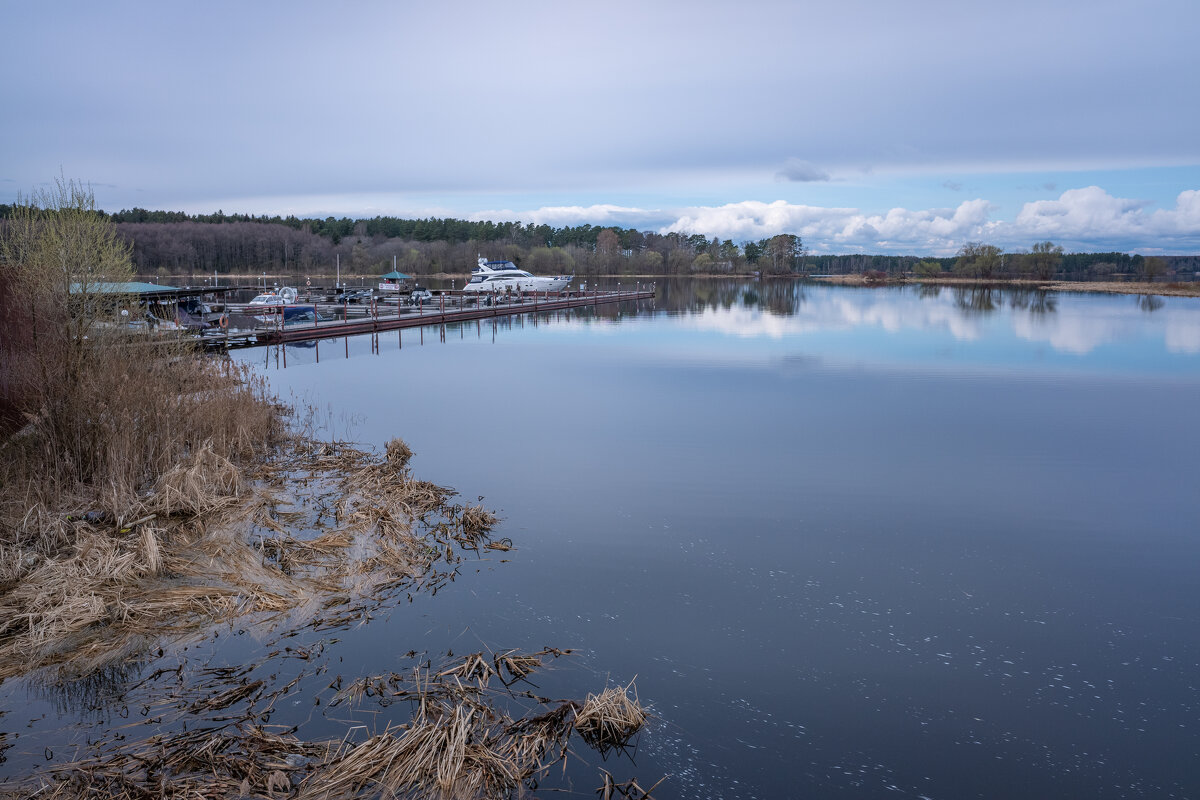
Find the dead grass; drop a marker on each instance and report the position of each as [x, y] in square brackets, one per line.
[398, 454]
[202, 483]
[147, 493]
[320, 537]
[1191, 289]
[610, 719]
[462, 740]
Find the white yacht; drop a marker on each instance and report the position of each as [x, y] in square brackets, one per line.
[285, 296]
[504, 276]
[268, 305]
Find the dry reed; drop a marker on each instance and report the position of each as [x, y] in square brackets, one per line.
[325, 532]
[149, 492]
[610, 719]
[398, 454]
[459, 743]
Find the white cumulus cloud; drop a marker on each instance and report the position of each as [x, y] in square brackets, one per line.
[842, 229]
[1092, 214]
[1088, 218]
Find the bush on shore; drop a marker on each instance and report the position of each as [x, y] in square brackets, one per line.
[91, 415]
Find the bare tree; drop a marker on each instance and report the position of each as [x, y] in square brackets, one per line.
[1153, 267]
[977, 259]
[62, 262]
[1044, 259]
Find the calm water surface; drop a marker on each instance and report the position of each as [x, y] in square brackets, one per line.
[851, 543]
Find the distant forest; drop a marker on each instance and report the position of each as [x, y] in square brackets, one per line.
[175, 243]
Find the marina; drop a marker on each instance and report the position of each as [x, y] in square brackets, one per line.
[242, 326]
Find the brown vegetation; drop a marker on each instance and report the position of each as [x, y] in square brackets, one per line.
[147, 492]
[463, 740]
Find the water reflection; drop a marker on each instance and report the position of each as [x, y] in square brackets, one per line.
[1009, 322]
[1036, 301]
[97, 693]
[985, 327]
[1149, 302]
[844, 551]
[976, 300]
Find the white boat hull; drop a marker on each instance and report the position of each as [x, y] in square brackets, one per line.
[535, 284]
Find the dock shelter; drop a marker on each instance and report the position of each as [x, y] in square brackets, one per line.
[393, 281]
[159, 302]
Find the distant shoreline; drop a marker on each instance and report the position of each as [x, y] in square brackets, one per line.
[1186, 289]
[1106, 287]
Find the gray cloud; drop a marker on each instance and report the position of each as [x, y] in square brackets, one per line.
[802, 171]
[354, 123]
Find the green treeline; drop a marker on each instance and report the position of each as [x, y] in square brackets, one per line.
[433, 229]
[173, 242]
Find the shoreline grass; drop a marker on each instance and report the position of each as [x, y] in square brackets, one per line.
[151, 496]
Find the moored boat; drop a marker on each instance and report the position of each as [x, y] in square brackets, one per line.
[505, 276]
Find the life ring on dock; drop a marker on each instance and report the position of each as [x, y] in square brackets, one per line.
[223, 321]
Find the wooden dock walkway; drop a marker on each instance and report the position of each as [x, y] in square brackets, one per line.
[442, 309]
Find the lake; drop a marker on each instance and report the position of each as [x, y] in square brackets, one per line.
[940, 543]
[849, 542]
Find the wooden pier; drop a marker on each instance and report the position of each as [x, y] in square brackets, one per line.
[442, 309]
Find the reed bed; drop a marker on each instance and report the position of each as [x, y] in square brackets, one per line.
[319, 536]
[462, 740]
[149, 494]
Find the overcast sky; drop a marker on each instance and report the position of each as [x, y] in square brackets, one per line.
[890, 127]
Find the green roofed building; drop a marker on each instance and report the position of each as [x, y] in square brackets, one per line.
[393, 281]
[145, 291]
